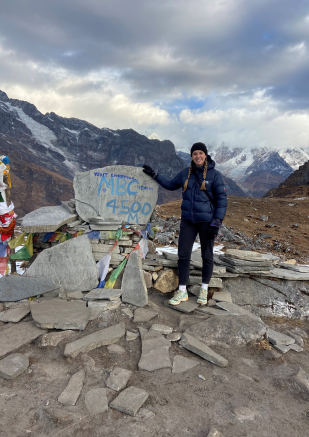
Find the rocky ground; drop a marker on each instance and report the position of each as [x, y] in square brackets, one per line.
[277, 225]
[219, 372]
[257, 394]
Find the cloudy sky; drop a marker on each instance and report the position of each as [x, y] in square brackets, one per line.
[199, 70]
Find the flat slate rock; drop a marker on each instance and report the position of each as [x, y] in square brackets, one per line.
[47, 219]
[60, 314]
[133, 286]
[16, 314]
[18, 335]
[144, 315]
[13, 365]
[214, 433]
[296, 268]
[115, 349]
[222, 296]
[163, 329]
[290, 275]
[16, 287]
[228, 331]
[182, 364]
[70, 265]
[104, 305]
[96, 401]
[212, 311]
[199, 348]
[118, 378]
[104, 337]
[130, 336]
[184, 307]
[243, 254]
[277, 338]
[155, 352]
[130, 400]
[127, 312]
[174, 336]
[103, 293]
[117, 183]
[236, 310]
[72, 391]
[54, 338]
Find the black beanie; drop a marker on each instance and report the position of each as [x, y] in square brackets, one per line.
[199, 146]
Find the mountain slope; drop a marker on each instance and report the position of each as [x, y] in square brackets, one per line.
[68, 145]
[296, 185]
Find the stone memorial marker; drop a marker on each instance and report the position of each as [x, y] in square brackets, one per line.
[115, 193]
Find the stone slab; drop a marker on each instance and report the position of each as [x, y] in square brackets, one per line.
[118, 192]
[222, 296]
[104, 248]
[243, 254]
[196, 346]
[116, 258]
[184, 307]
[73, 295]
[46, 219]
[296, 268]
[66, 204]
[130, 336]
[104, 227]
[163, 329]
[204, 309]
[133, 286]
[290, 275]
[246, 263]
[127, 312]
[104, 305]
[174, 336]
[96, 401]
[60, 314]
[13, 365]
[235, 309]
[228, 331]
[16, 287]
[182, 364]
[277, 338]
[18, 335]
[16, 314]
[144, 315]
[155, 352]
[160, 262]
[62, 264]
[118, 378]
[171, 256]
[130, 400]
[214, 433]
[104, 337]
[72, 391]
[115, 349]
[282, 348]
[54, 338]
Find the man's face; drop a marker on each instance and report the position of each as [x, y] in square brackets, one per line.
[198, 157]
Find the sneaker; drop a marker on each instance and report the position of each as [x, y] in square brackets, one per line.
[179, 296]
[202, 296]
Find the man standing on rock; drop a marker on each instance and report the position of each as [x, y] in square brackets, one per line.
[202, 211]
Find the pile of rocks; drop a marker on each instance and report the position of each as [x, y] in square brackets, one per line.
[241, 261]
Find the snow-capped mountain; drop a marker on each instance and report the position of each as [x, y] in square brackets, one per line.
[154, 136]
[257, 170]
[64, 146]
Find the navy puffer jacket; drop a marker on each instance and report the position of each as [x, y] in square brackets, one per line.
[196, 207]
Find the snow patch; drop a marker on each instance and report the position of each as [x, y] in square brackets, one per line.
[41, 133]
[75, 132]
[154, 136]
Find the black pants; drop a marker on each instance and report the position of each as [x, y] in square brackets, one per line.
[187, 235]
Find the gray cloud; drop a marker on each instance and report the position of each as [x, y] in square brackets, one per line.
[157, 52]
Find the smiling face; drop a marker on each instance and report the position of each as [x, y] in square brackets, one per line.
[198, 158]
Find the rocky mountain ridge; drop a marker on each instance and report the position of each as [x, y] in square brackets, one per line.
[64, 146]
[296, 185]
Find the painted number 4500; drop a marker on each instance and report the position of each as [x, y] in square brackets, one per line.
[136, 207]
